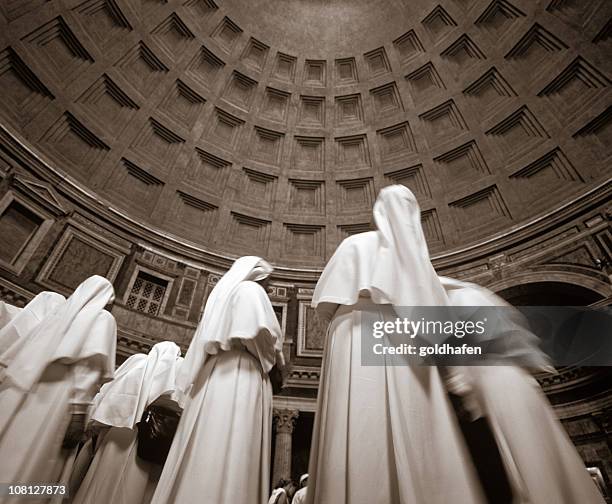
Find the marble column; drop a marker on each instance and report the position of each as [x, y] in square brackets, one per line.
[284, 421]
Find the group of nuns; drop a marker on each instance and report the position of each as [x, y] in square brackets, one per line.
[382, 434]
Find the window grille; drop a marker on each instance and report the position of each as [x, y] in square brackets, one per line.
[147, 294]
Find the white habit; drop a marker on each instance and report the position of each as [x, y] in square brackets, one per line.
[540, 459]
[221, 450]
[7, 313]
[16, 322]
[116, 474]
[383, 434]
[55, 372]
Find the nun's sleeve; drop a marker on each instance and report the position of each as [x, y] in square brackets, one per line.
[86, 383]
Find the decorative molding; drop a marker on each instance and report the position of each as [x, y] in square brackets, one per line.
[311, 333]
[413, 178]
[41, 221]
[462, 52]
[259, 187]
[85, 263]
[183, 104]
[59, 47]
[539, 36]
[580, 70]
[424, 80]
[173, 35]
[284, 68]
[267, 145]
[311, 111]
[395, 141]
[276, 105]
[386, 100]
[315, 73]
[355, 195]
[240, 90]
[308, 154]
[408, 46]
[499, 16]
[201, 10]
[303, 241]
[352, 152]
[205, 67]
[444, 120]
[438, 23]
[377, 61]
[227, 34]
[24, 95]
[307, 196]
[462, 164]
[349, 110]
[141, 68]
[346, 71]
[255, 54]
[226, 128]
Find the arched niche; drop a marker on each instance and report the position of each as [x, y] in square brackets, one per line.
[553, 289]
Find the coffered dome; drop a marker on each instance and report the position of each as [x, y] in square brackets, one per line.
[268, 127]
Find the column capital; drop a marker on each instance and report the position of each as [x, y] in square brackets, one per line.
[284, 419]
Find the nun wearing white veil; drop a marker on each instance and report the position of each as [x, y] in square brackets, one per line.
[23, 320]
[116, 475]
[7, 313]
[383, 434]
[50, 378]
[221, 450]
[540, 459]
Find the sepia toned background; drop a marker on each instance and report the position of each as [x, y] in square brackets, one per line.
[154, 141]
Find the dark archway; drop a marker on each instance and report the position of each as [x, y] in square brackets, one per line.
[549, 293]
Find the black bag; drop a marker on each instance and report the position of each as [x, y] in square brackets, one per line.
[156, 431]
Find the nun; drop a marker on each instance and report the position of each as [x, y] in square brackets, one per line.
[50, 379]
[221, 450]
[383, 434]
[116, 474]
[17, 322]
[7, 313]
[300, 495]
[539, 458]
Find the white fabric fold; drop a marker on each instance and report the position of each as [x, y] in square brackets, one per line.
[79, 329]
[392, 264]
[512, 342]
[7, 313]
[137, 383]
[219, 326]
[24, 320]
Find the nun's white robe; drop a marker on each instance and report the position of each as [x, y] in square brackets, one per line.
[540, 459]
[33, 423]
[221, 450]
[38, 396]
[7, 313]
[383, 434]
[116, 474]
[16, 323]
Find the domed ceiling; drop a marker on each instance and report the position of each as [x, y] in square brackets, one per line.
[268, 127]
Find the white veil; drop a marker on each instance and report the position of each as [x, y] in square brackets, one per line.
[137, 383]
[392, 263]
[28, 317]
[210, 334]
[77, 329]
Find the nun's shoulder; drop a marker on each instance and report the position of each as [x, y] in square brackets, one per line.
[105, 317]
[358, 242]
[248, 288]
